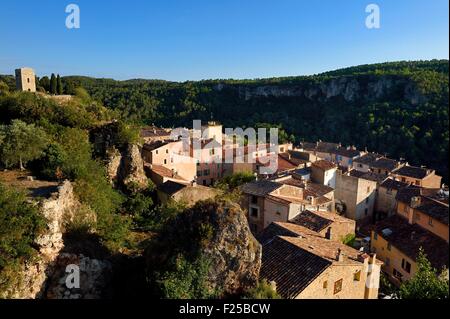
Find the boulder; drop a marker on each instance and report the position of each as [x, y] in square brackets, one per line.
[218, 231]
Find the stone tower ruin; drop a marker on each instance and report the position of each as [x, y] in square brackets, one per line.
[25, 80]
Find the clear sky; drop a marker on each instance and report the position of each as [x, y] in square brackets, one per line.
[201, 39]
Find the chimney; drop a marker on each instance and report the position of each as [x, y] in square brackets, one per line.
[339, 256]
[329, 233]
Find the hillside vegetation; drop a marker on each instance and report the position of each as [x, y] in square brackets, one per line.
[398, 108]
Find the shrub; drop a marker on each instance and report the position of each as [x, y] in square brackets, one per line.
[20, 224]
[185, 280]
[263, 290]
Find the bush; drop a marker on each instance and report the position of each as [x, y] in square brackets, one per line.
[235, 180]
[262, 291]
[185, 280]
[20, 224]
[427, 283]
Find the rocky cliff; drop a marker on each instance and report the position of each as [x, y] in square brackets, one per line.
[349, 88]
[123, 160]
[45, 275]
[219, 232]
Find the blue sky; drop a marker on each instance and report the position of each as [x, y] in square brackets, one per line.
[201, 39]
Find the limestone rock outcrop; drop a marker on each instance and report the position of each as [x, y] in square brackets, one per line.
[219, 232]
[94, 276]
[57, 209]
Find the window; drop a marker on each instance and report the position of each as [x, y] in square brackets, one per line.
[406, 266]
[360, 165]
[156, 151]
[199, 173]
[389, 246]
[357, 276]
[253, 228]
[167, 151]
[417, 182]
[367, 200]
[212, 181]
[389, 191]
[379, 171]
[325, 284]
[206, 172]
[338, 286]
[368, 189]
[165, 161]
[254, 212]
[254, 199]
[366, 211]
[430, 221]
[28, 79]
[403, 180]
[397, 274]
[281, 149]
[204, 182]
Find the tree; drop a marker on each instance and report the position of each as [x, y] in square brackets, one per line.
[186, 279]
[45, 83]
[59, 86]
[53, 84]
[427, 283]
[20, 224]
[235, 180]
[21, 143]
[4, 88]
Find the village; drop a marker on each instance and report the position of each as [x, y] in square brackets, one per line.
[330, 219]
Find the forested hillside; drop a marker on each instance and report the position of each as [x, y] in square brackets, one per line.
[397, 108]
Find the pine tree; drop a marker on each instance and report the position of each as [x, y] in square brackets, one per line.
[53, 84]
[59, 87]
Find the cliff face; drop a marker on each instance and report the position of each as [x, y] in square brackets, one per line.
[350, 89]
[57, 210]
[219, 232]
[45, 275]
[124, 163]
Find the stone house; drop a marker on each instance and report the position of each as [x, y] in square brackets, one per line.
[419, 176]
[397, 242]
[425, 207]
[364, 163]
[345, 156]
[268, 201]
[324, 172]
[25, 80]
[171, 155]
[328, 225]
[357, 195]
[302, 265]
[188, 194]
[386, 203]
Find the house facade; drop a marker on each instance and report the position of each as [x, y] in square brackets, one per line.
[334, 270]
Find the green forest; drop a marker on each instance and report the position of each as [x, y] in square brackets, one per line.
[399, 108]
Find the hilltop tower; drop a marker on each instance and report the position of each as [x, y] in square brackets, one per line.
[25, 80]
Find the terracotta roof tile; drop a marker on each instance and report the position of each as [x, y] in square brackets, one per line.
[409, 238]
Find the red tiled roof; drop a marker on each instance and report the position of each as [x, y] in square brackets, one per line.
[324, 164]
